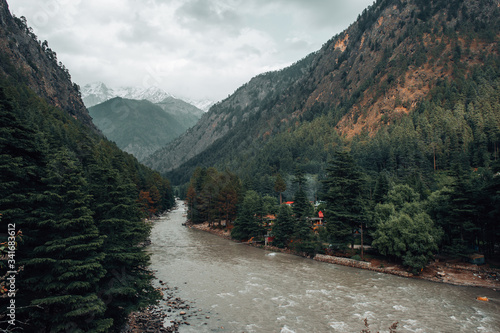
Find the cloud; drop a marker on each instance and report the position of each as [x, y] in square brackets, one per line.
[203, 14]
[192, 48]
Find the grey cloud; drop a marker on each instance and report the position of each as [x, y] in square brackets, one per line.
[299, 45]
[248, 50]
[139, 31]
[204, 13]
[196, 42]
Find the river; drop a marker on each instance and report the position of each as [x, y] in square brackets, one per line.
[237, 288]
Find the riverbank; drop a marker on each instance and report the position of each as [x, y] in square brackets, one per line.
[167, 316]
[450, 272]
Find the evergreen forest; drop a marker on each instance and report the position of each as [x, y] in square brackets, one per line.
[416, 184]
[345, 147]
[76, 207]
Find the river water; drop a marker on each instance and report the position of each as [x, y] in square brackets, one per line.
[237, 288]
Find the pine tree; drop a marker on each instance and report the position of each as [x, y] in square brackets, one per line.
[381, 188]
[344, 198]
[228, 196]
[249, 221]
[301, 207]
[65, 267]
[284, 227]
[463, 214]
[280, 186]
[126, 286]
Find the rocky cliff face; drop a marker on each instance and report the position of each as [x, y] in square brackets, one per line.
[21, 52]
[394, 54]
[369, 75]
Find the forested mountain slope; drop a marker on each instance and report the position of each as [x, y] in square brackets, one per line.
[141, 127]
[226, 117]
[400, 59]
[185, 113]
[37, 65]
[72, 204]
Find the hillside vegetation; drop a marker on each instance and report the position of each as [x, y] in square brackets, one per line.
[72, 204]
[142, 127]
[410, 92]
[399, 61]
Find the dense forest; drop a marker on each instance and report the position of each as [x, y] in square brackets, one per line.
[73, 209]
[402, 219]
[436, 169]
[429, 163]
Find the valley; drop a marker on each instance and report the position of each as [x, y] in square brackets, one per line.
[379, 150]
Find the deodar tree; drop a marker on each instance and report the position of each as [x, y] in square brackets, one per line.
[248, 224]
[213, 196]
[344, 199]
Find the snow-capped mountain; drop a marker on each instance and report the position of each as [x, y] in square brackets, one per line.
[204, 104]
[152, 94]
[97, 93]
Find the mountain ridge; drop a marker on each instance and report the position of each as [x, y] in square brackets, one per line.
[368, 77]
[98, 92]
[141, 127]
[31, 61]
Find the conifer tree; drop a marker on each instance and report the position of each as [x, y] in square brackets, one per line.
[228, 196]
[65, 266]
[249, 221]
[284, 227]
[344, 191]
[280, 186]
[303, 238]
[126, 285]
[463, 214]
[381, 188]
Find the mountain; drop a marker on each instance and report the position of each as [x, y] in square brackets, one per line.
[399, 59]
[203, 104]
[33, 63]
[185, 113]
[226, 117]
[141, 127]
[74, 202]
[97, 92]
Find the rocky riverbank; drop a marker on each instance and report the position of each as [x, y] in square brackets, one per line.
[168, 315]
[451, 272]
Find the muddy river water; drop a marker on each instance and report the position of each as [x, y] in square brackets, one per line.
[237, 288]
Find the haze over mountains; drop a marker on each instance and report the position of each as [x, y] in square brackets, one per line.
[97, 92]
[141, 127]
[140, 120]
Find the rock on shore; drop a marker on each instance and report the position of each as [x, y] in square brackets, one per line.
[168, 315]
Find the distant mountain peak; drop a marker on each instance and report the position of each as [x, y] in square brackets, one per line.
[97, 92]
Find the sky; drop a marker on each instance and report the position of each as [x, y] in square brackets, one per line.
[196, 49]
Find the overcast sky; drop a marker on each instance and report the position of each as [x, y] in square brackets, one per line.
[190, 48]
